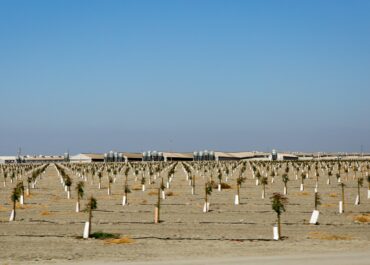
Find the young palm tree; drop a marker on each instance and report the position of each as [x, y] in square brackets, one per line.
[157, 208]
[317, 175]
[14, 197]
[272, 175]
[20, 187]
[162, 189]
[285, 181]
[12, 176]
[193, 184]
[29, 180]
[100, 175]
[239, 181]
[338, 177]
[91, 205]
[264, 182]
[143, 183]
[342, 203]
[360, 183]
[68, 183]
[110, 181]
[303, 176]
[127, 191]
[208, 192]
[278, 202]
[80, 193]
[330, 173]
[219, 176]
[5, 177]
[258, 177]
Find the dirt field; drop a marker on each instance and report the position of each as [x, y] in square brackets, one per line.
[48, 230]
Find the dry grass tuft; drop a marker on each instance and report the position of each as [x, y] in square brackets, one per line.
[122, 240]
[303, 193]
[362, 218]
[45, 213]
[328, 205]
[137, 187]
[327, 236]
[3, 209]
[169, 193]
[24, 206]
[333, 195]
[152, 193]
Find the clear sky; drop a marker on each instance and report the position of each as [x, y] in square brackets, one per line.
[91, 76]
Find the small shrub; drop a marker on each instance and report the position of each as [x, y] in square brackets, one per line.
[224, 185]
[103, 235]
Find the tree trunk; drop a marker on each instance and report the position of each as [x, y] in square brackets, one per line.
[14, 206]
[358, 192]
[279, 226]
[343, 198]
[90, 217]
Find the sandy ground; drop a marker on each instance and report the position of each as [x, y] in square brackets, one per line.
[49, 231]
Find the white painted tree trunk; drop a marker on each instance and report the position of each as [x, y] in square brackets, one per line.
[368, 194]
[21, 199]
[285, 191]
[143, 187]
[124, 200]
[236, 200]
[219, 187]
[275, 231]
[68, 195]
[11, 218]
[302, 187]
[192, 190]
[206, 207]
[156, 219]
[340, 207]
[357, 202]
[163, 195]
[77, 207]
[314, 217]
[85, 234]
[168, 184]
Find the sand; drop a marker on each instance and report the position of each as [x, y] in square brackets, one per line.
[48, 230]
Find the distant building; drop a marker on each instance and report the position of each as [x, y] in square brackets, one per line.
[87, 158]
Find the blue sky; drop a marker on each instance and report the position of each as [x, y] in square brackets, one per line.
[184, 75]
